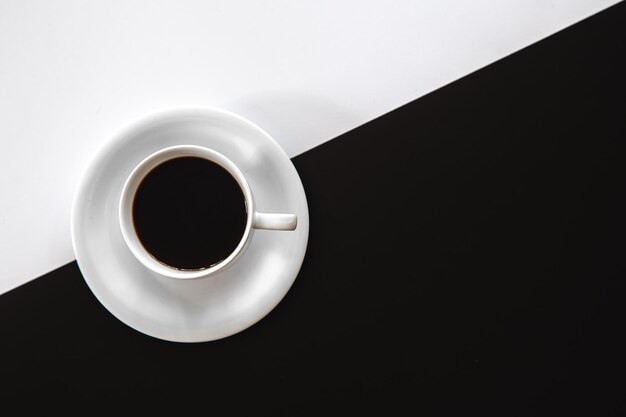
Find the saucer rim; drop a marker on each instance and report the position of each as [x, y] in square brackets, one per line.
[117, 139]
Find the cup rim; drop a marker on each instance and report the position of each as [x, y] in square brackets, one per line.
[127, 197]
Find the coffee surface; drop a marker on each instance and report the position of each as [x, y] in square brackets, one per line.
[189, 213]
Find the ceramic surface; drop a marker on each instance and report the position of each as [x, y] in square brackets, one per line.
[201, 309]
[255, 219]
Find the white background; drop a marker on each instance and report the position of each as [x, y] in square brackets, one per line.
[74, 72]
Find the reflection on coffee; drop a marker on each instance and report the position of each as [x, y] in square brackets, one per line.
[189, 213]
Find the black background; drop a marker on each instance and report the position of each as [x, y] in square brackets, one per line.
[466, 256]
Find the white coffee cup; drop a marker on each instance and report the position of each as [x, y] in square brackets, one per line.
[254, 219]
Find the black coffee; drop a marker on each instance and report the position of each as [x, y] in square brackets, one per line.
[189, 213]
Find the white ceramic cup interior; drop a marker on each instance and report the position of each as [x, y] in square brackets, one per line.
[254, 220]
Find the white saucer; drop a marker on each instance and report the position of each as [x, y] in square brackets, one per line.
[207, 308]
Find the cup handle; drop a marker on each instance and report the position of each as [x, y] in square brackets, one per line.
[274, 221]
